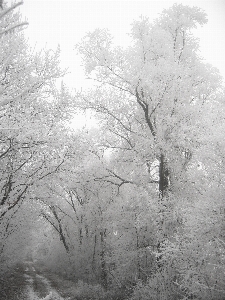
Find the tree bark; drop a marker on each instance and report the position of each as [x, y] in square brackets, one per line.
[60, 229]
[163, 176]
[103, 262]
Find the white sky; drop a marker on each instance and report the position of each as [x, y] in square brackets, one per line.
[65, 22]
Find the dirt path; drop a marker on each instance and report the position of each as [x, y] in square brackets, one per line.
[28, 282]
[37, 286]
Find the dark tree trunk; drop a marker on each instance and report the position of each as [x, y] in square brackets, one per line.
[103, 262]
[81, 230]
[60, 229]
[163, 176]
[163, 190]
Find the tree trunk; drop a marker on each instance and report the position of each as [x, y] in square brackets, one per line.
[163, 176]
[163, 189]
[60, 229]
[137, 249]
[103, 262]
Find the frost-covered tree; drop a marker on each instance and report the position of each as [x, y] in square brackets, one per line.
[160, 109]
[9, 23]
[32, 112]
[156, 89]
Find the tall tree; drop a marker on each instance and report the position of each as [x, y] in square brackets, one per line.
[33, 112]
[156, 88]
[159, 106]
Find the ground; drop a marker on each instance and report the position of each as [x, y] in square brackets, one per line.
[29, 282]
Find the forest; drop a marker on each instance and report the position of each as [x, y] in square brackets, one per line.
[134, 207]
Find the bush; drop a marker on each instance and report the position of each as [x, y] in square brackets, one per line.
[87, 291]
[158, 287]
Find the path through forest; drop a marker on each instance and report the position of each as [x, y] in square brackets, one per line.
[28, 282]
[38, 286]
